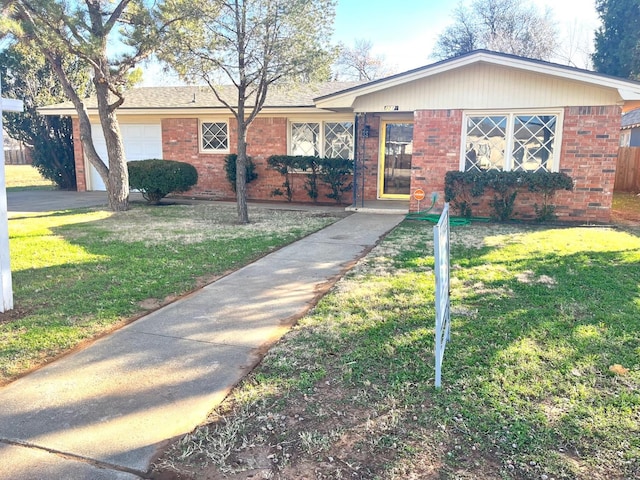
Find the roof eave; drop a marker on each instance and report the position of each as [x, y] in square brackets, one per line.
[629, 95]
[627, 89]
[191, 111]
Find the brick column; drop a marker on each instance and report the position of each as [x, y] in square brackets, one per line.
[590, 138]
[78, 155]
[436, 150]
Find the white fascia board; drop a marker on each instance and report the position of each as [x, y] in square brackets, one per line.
[61, 112]
[629, 87]
[347, 98]
[628, 90]
[627, 94]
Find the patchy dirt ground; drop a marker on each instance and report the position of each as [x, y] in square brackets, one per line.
[343, 440]
[16, 313]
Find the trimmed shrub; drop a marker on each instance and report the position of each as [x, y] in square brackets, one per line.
[333, 172]
[461, 187]
[336, 173]
[285, 165]
[230, 169]
[158, 178]
[547, 185]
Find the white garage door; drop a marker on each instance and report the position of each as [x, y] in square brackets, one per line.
[140, 143]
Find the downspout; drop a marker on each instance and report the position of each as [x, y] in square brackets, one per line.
[355, 161]
[364, 140]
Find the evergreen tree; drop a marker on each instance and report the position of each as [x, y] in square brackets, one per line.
[26, 75]
[618, 38]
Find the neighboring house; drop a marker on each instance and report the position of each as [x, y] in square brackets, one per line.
[479, 111]
[630, 134]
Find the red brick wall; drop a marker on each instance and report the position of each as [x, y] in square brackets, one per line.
[589, 151]
[266, 137]
[81, 175]
[588, 155]
[436, 150]
[180, 141]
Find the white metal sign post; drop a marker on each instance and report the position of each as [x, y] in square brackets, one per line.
[6, 105]
[441, 267]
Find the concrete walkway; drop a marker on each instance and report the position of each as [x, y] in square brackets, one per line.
[105, 411]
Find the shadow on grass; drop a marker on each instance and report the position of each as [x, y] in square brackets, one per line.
[96, 279]
[57, 213]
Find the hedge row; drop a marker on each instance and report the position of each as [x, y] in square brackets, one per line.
[461, 187]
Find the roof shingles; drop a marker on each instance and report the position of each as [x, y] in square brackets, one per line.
[202, 97]
[631, 119]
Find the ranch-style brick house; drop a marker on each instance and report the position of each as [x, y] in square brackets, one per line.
[480, 111]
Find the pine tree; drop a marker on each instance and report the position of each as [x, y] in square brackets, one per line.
[617, 40]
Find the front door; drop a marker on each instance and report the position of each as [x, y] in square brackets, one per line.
[396, 147]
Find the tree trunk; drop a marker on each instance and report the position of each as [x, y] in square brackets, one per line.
[241, 173]
[83, 118]
[118, 176]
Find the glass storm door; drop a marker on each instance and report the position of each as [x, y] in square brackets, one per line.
[396, 147]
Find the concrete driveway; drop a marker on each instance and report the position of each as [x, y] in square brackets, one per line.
[25, 202]
[33, 201]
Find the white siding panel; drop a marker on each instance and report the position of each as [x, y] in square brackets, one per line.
[481, 86]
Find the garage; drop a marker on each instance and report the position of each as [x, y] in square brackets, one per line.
[141, 141]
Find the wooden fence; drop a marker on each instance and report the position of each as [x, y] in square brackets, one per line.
[628, 170]
[17, 157]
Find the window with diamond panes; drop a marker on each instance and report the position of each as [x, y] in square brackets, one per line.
[486, 143]
[338, 140]
[510, 142]
[533, 142]
[215, 136]
[305, 139]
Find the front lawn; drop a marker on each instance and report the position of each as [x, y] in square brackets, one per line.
[78, 274]
[25, 177]
[541, 377]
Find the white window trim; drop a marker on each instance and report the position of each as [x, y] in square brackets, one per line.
[211, 151]
[625, 138]
[511, 114]
[322, 131]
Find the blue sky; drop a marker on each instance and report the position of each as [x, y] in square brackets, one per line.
[405, 31]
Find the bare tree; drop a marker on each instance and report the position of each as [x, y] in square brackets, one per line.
[576, 48]
[251, 44]
[359, 62]
[86, 30]
[507, 26]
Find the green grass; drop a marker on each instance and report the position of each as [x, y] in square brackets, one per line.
[539, 315]
[77, 274]
[25, 177]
